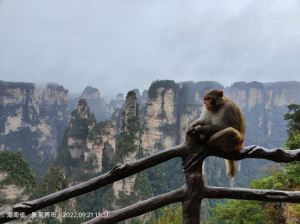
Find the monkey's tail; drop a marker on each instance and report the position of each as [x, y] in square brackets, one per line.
[230, 168]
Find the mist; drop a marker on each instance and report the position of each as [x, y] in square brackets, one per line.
[117, 46]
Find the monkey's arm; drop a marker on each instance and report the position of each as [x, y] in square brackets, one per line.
[196, 123]
[200, 121]
[210, 129]
[230, 118]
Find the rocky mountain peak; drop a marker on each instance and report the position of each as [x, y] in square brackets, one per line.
[91, 93]
[82, 111]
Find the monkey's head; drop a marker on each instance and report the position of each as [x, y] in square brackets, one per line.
[213, 100]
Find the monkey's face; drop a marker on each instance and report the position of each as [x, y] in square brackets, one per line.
[213, 100]
[208, 102]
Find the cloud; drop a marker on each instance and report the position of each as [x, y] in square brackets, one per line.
[117, 45]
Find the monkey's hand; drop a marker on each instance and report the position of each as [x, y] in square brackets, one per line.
[198, 128]
[195, 123]
[193, 129]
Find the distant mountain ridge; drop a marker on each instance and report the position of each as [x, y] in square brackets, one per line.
[32, 120]
[43, 125]
[43, 112]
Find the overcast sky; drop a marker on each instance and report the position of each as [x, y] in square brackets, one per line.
[118, 45]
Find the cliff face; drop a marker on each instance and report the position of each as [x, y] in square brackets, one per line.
[116, 103]
[32, 119]
[128, 142]
[87, 149]
[264, 106]
[32, 116]
[160, 115]
[10, 193]
[96, 103]
[169, 109]
[86, 140]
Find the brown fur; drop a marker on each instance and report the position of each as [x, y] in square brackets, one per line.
[221, 111]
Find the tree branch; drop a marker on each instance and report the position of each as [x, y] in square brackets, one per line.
[140, 207]
[258, 152]
[117, 173]
[252, 194]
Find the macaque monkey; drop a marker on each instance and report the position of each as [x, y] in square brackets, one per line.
[222, 124]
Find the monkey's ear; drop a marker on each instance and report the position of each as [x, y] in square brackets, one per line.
[220, 93]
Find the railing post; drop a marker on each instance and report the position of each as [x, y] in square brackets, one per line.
[191, 205]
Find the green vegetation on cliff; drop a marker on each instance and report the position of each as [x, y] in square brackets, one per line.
[238, 212]
[127, 140]
[76, 163]
[165, 84]
[17, 170]
[170, 214]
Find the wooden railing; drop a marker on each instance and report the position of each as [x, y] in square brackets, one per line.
[190, 195]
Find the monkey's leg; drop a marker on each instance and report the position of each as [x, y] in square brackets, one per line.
[228, 140]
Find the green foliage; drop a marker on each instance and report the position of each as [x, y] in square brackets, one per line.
[105, 197]
[285, 179]
[126, 142]
[246, 86]
[79, 126]
[170, 214]
[133, 125]
[166, 84]
[54, 180]
[17, 169]
[142, 185]
[26, 141]
[125, 200]
[95, 133]
[276, 181]
[165, 176]
[293, 116]
[292, 171]
[131, 94]
[63, 155]
[135, 221]
[293, 141]
[238, 212]
[107, 161]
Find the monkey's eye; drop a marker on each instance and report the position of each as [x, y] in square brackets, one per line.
[207, 98]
